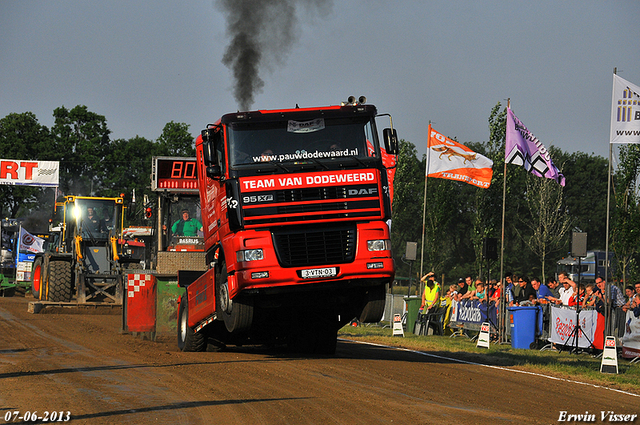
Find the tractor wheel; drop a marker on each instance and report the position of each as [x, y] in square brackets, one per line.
[374, 305]
[237, 313]
[188, 340]
[36, 278]
[60, 281]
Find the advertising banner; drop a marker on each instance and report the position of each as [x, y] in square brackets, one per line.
[473, 312]
[29, 173]
[625, 112]
[23, 271]
[563, 323]
[631, 338]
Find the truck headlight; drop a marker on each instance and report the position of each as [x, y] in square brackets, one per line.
[249, 255]
[379, 245]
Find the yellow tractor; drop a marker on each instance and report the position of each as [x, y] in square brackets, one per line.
[86, 254]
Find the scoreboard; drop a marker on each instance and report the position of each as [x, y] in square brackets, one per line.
[174, 174]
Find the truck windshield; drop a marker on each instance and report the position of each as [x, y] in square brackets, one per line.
[185, 218]
[95, 217]
[321, 139]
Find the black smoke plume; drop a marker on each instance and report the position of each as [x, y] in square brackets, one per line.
[262, 33]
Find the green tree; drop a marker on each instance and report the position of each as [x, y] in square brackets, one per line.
[128, 163]
[176, 140]
[585, 194]
[82, 141]
[625, 235]
[408, 190]
[443, 215]
[128, 166]
[548, 222]
[487, 203]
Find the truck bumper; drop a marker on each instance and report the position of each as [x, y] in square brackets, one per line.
[365, 269]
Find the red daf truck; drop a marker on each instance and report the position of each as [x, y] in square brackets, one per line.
[295, 205]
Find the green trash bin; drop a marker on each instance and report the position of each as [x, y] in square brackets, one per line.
[413, 306]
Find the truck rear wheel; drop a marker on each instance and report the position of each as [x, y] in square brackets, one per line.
[237, 313]
[36, 278]
[188, 340]
[374, 305]
[59, 281]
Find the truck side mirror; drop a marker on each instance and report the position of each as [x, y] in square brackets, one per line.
[214, 171]
[207, 146]
[207, 154]
[390, 141]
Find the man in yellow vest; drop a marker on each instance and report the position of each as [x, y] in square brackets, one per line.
[431, 294]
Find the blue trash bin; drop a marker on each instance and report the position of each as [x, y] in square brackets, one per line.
[523, 326]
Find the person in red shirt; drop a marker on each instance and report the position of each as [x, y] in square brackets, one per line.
[575, 298]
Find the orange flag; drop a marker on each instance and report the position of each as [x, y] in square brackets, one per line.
[448, 159]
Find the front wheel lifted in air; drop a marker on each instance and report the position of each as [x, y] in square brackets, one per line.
[188, 340]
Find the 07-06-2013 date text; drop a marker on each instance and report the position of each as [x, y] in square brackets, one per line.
[46, 416]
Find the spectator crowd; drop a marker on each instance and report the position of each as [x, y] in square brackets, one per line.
[525, 291]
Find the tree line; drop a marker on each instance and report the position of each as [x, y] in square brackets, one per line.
[91, 163]
[539, 213]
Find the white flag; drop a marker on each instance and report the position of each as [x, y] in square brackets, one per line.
[30, 243]
[625, 112]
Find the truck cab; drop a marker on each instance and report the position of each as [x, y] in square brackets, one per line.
[295, 206]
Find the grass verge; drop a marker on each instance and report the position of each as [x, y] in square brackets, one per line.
[582, 367]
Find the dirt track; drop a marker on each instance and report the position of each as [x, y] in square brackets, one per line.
[84, 365]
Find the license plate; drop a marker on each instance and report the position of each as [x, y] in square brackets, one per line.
[312, 273]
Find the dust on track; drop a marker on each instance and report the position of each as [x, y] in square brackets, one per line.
[84, 364]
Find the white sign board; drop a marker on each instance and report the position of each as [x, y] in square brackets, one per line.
[484, 336]
[563, 326]
[397, 325]
[29, 173]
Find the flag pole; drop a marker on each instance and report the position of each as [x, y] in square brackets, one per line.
[424, 202]
[502, 332]
[607, 284]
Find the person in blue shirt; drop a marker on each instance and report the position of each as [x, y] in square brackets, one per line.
[542, 291]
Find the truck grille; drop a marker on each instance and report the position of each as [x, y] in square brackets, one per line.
[314, 247]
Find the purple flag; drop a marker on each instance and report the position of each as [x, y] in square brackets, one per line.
[524, 149]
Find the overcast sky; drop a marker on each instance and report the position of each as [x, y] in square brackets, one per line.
[142, 64]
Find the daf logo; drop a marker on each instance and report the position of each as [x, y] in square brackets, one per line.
[232, 203]
[360, 192]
